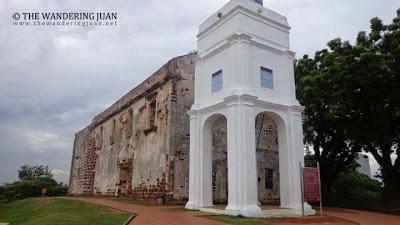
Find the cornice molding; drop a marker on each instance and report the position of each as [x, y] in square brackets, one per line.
[246, 38]
[248, 100]
[238, 9]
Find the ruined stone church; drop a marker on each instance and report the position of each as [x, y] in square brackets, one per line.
[139, 146]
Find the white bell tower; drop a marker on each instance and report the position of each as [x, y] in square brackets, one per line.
[245, 67]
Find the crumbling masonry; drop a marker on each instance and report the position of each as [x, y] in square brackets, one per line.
[139, 147]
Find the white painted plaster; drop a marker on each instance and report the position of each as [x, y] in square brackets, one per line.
[239, 39]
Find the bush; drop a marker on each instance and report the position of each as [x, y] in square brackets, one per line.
[31, 188]
[58, 190]
[1, 193]
[357, 187]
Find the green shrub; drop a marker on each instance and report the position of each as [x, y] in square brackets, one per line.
[58, 190]
[31, 188]
[1, 193]
[357, 187]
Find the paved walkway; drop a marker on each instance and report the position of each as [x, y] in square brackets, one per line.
[363, 217]
[159, 215]
[173, 215]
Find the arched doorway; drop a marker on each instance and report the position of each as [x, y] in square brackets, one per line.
[215, 147]
[267, 153]
[219, 161]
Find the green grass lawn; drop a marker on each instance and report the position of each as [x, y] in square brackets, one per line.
[51, 211]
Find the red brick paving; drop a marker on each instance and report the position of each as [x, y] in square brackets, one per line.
[363, 217]
[158, 215]
[163, 215]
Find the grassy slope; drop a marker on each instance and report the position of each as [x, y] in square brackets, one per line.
[49, 211]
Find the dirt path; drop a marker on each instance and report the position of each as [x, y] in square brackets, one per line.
[160, 215]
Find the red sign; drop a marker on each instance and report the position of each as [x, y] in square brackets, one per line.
[311, 185]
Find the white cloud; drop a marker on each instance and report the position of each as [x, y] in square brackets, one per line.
[45, 142]
[60, 175]
[67, 42]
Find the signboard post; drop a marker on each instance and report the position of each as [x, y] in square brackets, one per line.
[320, 192]
[311, 185]
[302, 188]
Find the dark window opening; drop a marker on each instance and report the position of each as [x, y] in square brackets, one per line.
[114, 127]
[152, 114]
[269, 178]
[99, 137]
[266, 78]
[216, 81]
[130, 123]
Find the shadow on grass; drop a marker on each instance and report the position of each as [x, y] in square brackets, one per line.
[237, 220]
[181, 209]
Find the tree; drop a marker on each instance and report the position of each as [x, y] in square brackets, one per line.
[377, 106]
[28, 172]
[352, 99]
[309, 159]
[320, 89]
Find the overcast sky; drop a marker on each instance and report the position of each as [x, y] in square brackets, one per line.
[54, 80]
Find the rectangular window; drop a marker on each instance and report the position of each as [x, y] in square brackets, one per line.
[113, 130]
[216, 82]
[130, 123]
[269, 178]
[267, 78]
[99, 138]
[152, 114]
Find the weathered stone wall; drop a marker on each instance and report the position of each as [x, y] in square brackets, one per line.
[130, 138]
[267, 159]
[81, 178]
[137, 147]
[181, 102]
[219, 163]
[77, 161]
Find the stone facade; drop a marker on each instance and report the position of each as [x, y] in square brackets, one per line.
[267, 159]
[139, 147]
